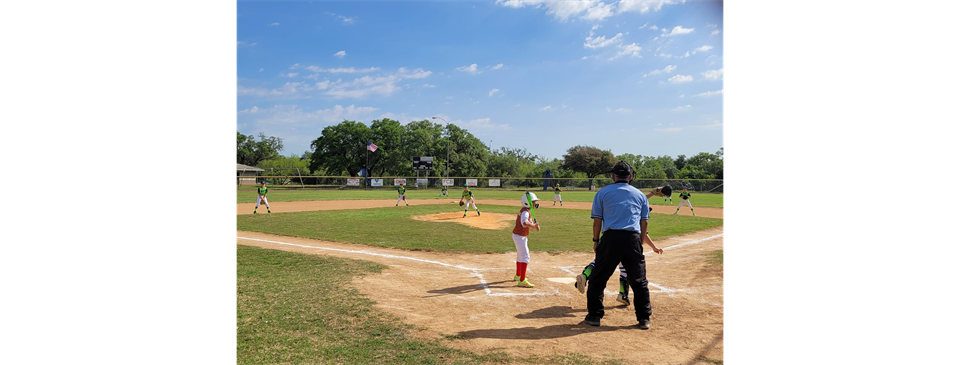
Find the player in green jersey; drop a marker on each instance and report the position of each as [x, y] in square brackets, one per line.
[467, 194]
[403, 196]
[685, 196]
[262, 196]
[556, 195]
[443, 190]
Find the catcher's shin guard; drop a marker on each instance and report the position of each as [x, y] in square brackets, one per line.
[587, 270]
[624, 286]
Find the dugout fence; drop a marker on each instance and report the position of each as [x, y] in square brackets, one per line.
[281, 180]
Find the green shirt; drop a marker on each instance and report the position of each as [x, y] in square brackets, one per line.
[556, 190]
[467, 194]
[401, 190]
[262, 190]
[685, 195]
[444, 188]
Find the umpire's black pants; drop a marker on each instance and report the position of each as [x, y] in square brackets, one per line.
[618, 246]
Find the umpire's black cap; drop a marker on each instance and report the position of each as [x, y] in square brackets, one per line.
[622, 169]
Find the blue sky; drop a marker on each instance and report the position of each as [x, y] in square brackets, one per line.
[641, 77]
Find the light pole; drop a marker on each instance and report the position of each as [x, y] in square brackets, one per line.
[446, 170]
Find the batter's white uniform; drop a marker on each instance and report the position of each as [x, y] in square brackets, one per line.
[523, 253]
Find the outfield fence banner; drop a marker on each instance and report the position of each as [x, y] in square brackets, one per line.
[483, 182]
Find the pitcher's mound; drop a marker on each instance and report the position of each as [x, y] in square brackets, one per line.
[484, 221]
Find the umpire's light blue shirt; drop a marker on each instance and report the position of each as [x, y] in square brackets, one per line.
[621, 206]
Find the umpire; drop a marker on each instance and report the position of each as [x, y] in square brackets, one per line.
[621, 212]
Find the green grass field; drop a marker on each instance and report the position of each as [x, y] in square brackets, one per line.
[563, 229]
[276, 195]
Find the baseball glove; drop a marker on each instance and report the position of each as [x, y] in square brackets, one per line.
[662, 191]
[461, 203]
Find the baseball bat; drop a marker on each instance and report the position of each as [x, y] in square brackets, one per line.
[530, 203]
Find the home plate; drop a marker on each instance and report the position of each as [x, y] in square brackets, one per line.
[563, 280]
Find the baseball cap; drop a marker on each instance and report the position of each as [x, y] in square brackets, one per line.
[621, 169]
[465, 185]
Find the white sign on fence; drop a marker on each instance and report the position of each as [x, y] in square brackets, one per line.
[376, 182]
[398, 182]
[471, 182]
[494, 182]
[353, 182]
[447, 182]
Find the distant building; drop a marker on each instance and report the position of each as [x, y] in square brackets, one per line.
[247, 175]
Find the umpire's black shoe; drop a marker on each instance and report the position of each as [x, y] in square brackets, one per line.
[645, 324]
[593, 321]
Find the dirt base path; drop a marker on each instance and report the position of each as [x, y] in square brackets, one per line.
[474, 298]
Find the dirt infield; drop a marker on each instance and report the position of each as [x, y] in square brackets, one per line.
[485, 221]
[472, 297]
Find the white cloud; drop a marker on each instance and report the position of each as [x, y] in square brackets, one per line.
[712, 25]
[666, 70]
[679, 79]
[702, 49]
[645, 25]
[713, 74]
[620, 110]
[716, 124]
[682, 108]
[261, 70]
[632, 50]
[563, 10]
[349, 70]
[244, 44]
[665, 55]
[599, 12]
[382, 85]
[481, 124]
[472, 69]
[710, 93]
[643, 6]
[345, 19]
[494, 91]
[678, 30]
[547, 108]
[498, 66]
[654, 27]
[290, 88]
[341, 54]
[601, 41]
[291, 74]
[291, 114]
[670, 129]
[715, 32]
[273, 24]
[430, 86]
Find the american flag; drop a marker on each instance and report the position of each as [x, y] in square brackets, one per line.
[371, 147]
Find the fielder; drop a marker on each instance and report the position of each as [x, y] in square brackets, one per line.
[443, 191]
[556, 195]
[685, 195]
[262, 196]
[468, 194]
[668, 194]
[403, 196]
[520, 232]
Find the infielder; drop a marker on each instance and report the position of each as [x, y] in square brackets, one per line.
[468, 194]
[685, 195]
[403, 196]
[262, 196]
[556, 195]
[520, 232]
[443, 190]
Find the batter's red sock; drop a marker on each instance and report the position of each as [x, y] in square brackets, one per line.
[523, 271]
[518, 268]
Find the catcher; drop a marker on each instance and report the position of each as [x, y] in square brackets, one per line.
[468, 194]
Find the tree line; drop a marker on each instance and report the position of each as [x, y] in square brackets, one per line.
[341, 150]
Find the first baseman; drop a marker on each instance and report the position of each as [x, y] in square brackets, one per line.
[468, 194]
[262, 196]
[401, 190]
[520, 232]
[685, 195]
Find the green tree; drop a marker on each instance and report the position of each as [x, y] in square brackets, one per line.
[467, 153]
[341, 148]
[250, 152]
[589, 160]
[391, 140]
[291, 166]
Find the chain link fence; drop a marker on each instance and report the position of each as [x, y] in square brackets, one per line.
[505, 183]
